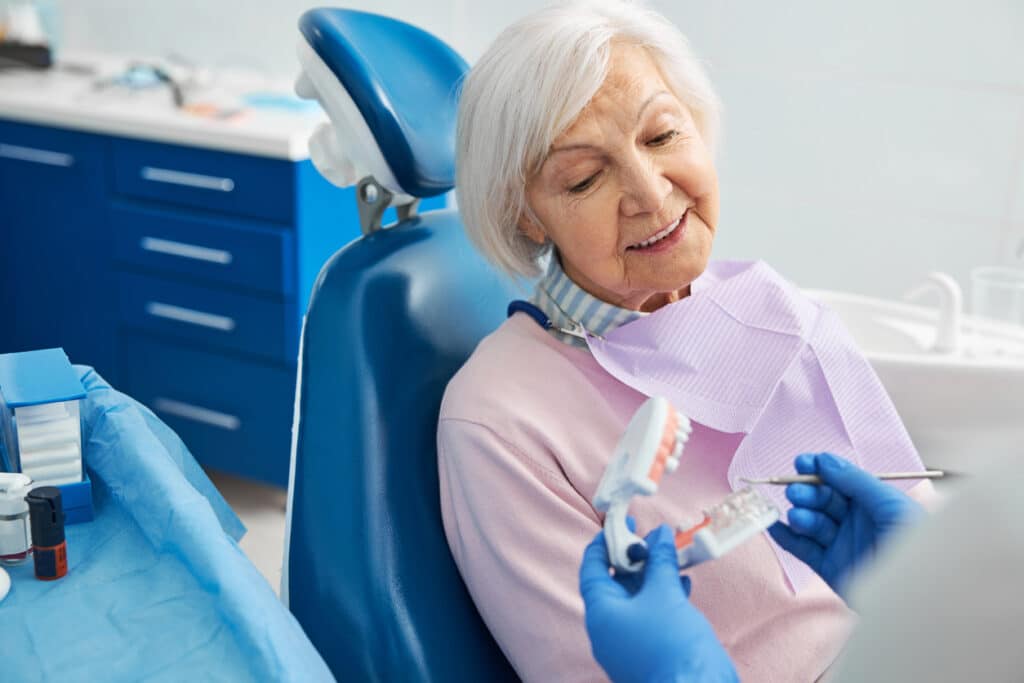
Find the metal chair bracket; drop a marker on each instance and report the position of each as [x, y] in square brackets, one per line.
[373, 199]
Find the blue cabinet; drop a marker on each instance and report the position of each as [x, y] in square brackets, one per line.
[180, 273]
[214, 251]
[57, 253]
[235, 412]
[228, 183]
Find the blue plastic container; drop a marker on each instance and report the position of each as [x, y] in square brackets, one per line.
[39, 415]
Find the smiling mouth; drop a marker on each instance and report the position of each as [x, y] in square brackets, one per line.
[660, 235]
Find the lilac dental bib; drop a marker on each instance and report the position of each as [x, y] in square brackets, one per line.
[747, 352]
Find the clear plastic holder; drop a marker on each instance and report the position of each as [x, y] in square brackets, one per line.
[997, 293]
[15, 541]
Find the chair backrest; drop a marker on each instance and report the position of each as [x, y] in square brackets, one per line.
[392, 317]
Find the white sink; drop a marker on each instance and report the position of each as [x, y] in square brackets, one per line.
[960, 406]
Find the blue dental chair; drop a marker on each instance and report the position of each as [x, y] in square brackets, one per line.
[393, 315]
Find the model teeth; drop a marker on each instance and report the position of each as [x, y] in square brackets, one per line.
[659, 236]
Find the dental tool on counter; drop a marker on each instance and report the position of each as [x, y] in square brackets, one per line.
[652, 445]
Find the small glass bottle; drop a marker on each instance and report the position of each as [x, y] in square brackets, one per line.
[15, 542]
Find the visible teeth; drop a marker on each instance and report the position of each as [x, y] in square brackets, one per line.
[683, 427]
[658, 236]
[677, 450]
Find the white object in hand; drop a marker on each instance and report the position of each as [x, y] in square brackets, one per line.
[651, 445]
[741, 516]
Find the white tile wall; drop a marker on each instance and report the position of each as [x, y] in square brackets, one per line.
[260, 35]
[825, 176]
[846, 143]
[865, 143]
[944, 41]
[856, 249]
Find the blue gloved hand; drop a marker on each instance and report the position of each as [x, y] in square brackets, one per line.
[834, 527]
[654, 633]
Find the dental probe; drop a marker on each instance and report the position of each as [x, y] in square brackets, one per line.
[815, 479]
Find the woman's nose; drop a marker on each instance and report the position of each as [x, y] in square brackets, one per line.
[646, 189]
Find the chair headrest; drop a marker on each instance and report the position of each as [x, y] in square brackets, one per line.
[390, 90]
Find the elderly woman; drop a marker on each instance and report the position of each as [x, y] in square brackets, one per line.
[585, 140]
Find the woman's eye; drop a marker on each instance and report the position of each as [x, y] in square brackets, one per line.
[664, 138]
[584, 185]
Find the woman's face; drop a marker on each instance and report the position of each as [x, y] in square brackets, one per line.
[628, 194]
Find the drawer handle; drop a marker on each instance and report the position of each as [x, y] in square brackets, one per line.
[190, 316]
[203, 182]
[185, 250]
[197, 413]
[36, 156]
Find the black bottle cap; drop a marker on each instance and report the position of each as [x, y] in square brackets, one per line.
[47, 514]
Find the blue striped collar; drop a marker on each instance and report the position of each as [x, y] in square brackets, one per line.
[564, 302]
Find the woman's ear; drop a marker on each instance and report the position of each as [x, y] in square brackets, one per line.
[529, 227]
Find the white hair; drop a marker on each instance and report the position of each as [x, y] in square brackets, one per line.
[530, 86]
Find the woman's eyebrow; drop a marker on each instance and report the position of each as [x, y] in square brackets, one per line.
[572, 148]
[583, 145]
[647, 103]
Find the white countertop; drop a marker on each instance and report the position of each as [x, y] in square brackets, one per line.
[68, 99]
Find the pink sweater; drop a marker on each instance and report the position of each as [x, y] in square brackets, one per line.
[525, 432]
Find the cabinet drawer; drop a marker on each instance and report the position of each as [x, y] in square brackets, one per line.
[221, 251]
[26, 148]
[211, 317]
[218, 181]
[234, 415]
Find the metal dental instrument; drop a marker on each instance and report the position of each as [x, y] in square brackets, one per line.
[815, 479]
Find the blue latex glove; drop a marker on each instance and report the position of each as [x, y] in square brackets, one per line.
[654, 633]
[836, 526]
